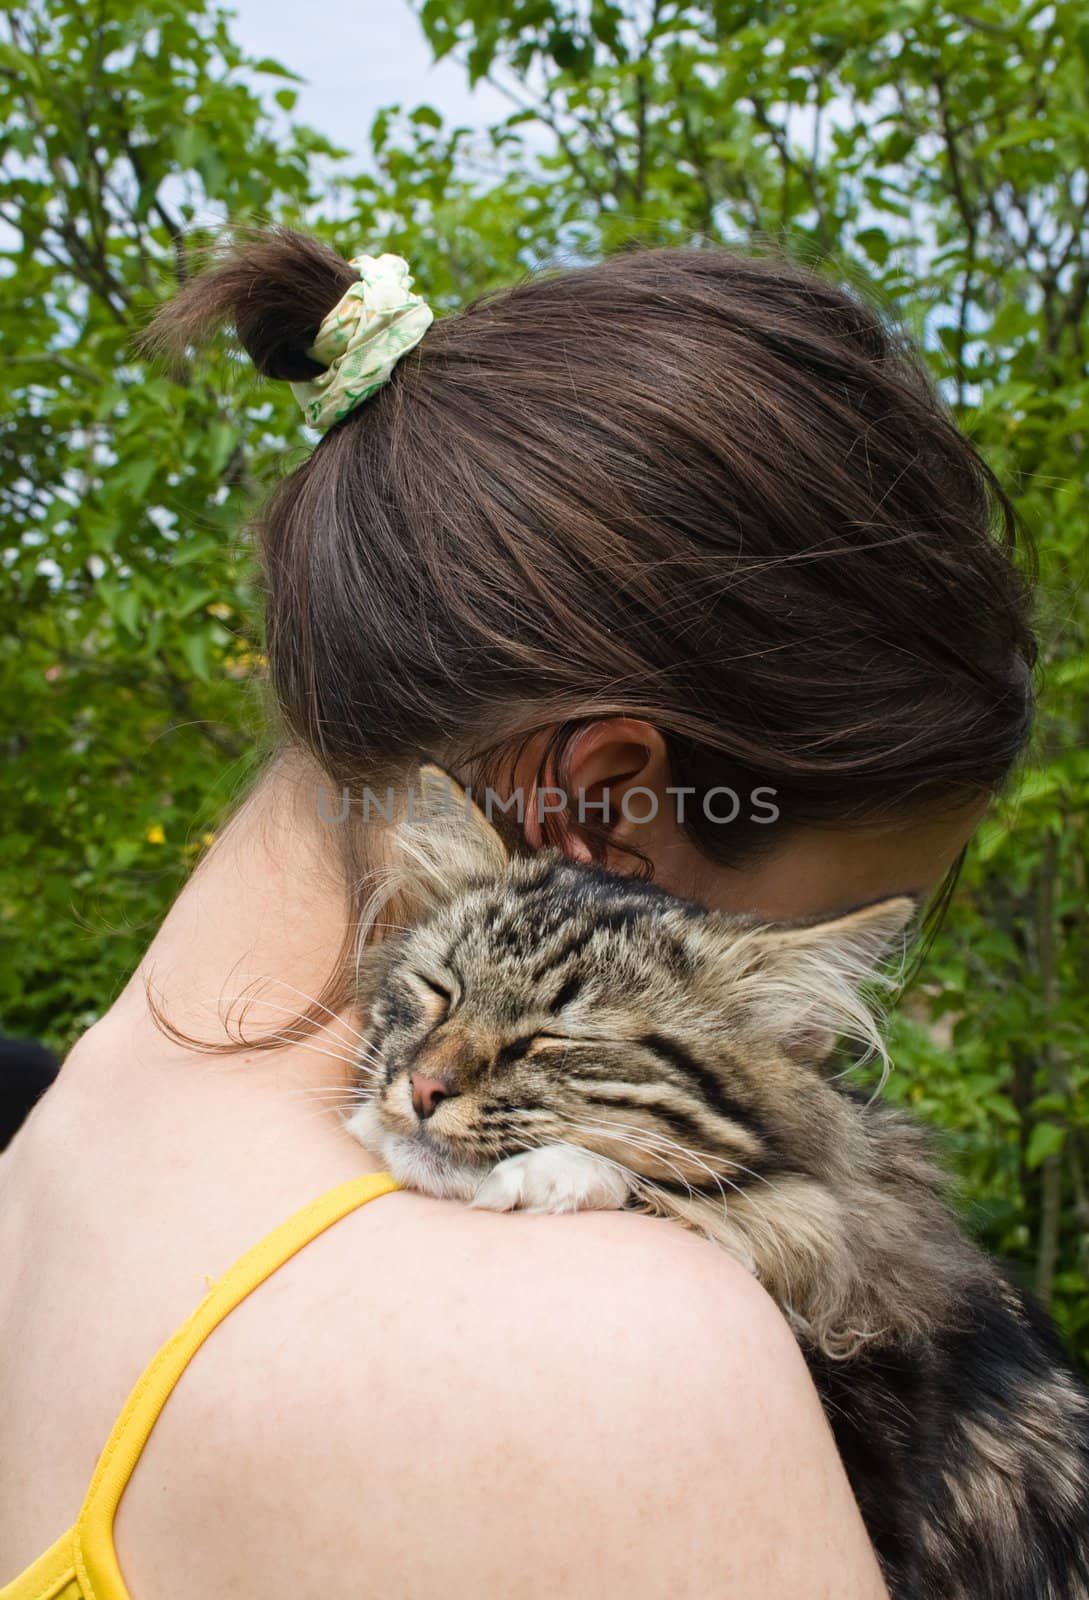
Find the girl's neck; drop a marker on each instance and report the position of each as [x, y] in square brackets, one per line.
[252, 939]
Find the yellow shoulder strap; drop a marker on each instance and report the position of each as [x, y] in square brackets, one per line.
[94, 1556]
[52, 1576]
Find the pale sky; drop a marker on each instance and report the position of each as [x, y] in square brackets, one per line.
[358, 55]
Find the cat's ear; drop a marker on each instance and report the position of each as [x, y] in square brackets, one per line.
[444, 840]
[802, 986]
[855, 942]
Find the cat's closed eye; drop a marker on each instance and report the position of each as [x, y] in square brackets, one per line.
[437, 999]
[518, 1049]
[436, 988]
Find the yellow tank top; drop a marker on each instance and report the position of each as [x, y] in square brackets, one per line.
[82, 1565]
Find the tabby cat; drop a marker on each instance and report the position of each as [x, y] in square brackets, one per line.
[555, 1037]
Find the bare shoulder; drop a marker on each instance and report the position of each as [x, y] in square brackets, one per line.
[432, 1400]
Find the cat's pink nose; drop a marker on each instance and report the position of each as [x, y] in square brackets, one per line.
[427, 1092]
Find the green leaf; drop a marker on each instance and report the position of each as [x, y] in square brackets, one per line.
[1045, 1140]
[876, 244]
[195, 648]
[275, 69]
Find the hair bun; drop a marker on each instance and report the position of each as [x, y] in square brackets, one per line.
[273, 287]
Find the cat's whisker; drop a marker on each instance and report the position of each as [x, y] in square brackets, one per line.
[660, 1141]
[343, 1094]
[328, 1114]
[699, 1156]
[248, 999]
[292, 1011]
[306, 1044]
[282, 983]
[347, 1096]
[305, 1040]
[655, 1154]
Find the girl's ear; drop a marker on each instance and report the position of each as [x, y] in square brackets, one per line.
[444, 840]
[798, 988]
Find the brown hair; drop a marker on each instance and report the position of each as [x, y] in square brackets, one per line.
[695, 486]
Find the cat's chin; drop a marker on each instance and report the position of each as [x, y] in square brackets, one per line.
[428, 1170]
[415, 1161]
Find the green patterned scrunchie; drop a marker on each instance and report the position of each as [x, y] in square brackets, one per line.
[375, 323]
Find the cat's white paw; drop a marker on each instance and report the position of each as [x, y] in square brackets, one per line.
[558, 1177]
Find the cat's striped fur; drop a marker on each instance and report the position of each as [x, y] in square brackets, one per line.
[605, 1044]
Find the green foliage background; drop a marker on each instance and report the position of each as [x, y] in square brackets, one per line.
[933, 154]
